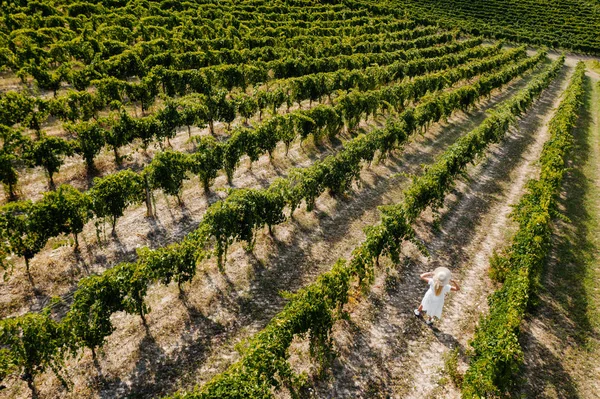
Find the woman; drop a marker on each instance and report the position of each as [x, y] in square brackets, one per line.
[440, 283]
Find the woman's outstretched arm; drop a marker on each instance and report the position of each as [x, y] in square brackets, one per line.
[426, 276]
[455, 286]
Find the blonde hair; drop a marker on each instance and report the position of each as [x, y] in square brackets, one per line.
[441, 277]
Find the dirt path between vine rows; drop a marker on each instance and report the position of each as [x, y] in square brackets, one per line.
[384, 350]
[188, 341]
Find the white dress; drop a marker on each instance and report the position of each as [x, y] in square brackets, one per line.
[433, 304]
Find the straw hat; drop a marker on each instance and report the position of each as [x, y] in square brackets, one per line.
[442, 276]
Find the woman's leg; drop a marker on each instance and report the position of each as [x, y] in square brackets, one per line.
[419, 310]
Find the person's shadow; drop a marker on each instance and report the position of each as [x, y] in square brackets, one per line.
[448, 341]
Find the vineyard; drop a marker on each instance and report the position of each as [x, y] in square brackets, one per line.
[235, 199]
[571, 24]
